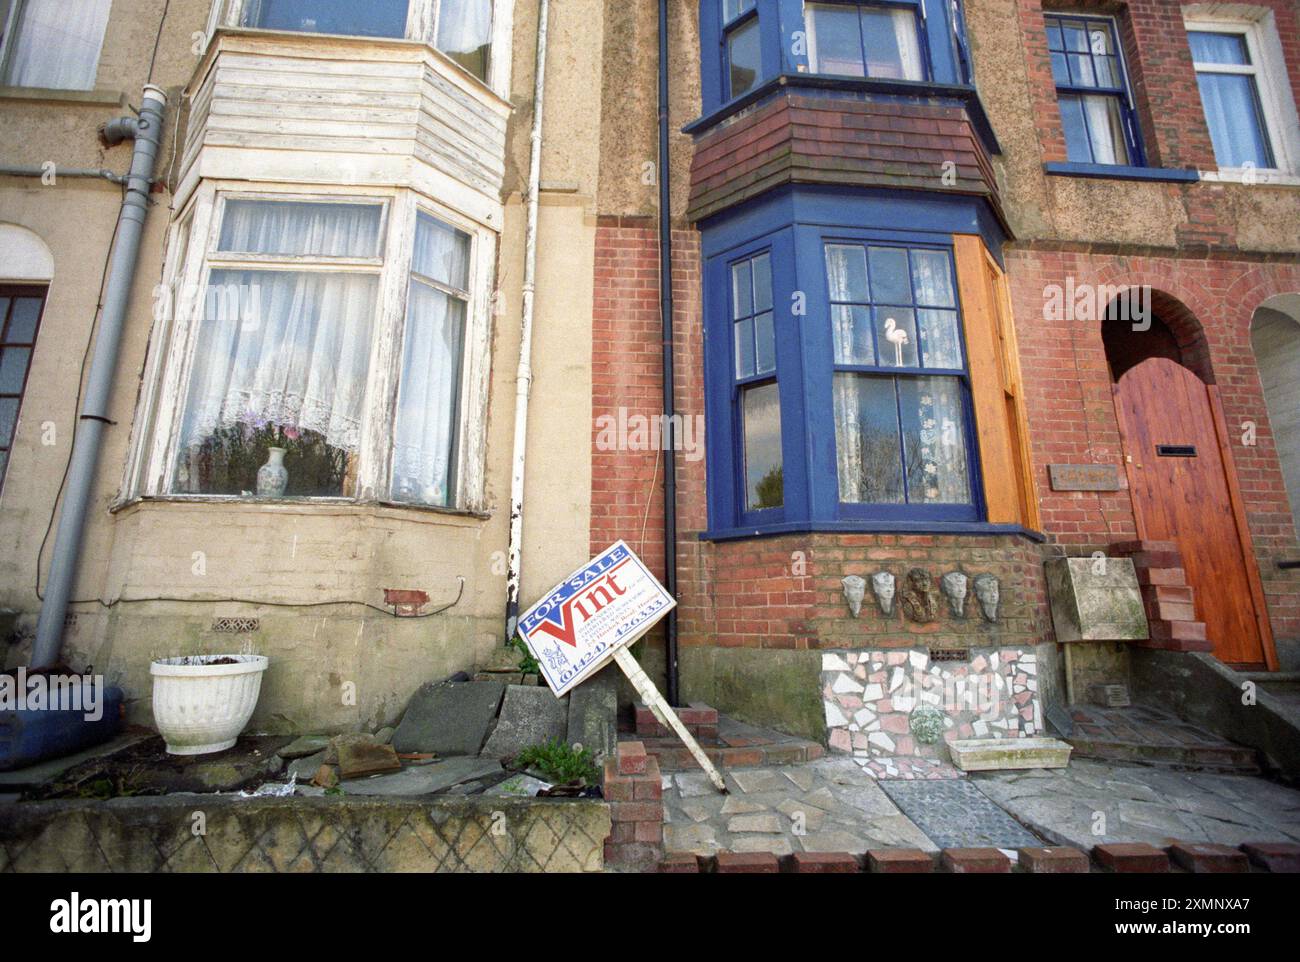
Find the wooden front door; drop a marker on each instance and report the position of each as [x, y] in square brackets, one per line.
[1180, 471]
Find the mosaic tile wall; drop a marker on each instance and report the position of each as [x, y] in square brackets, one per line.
[894, 711]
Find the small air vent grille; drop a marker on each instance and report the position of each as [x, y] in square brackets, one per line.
[236, 626]
[949, 654]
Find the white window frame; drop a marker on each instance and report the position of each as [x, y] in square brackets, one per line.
[152, 464]
[1268, 66]
[421, 22]
[6, 39]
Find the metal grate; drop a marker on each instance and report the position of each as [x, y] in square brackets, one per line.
[236, 626]
[949, 654]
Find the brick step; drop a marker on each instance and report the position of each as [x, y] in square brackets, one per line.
[1225, 759]
[673, 756]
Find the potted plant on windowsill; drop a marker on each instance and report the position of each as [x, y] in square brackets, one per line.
[202, 702]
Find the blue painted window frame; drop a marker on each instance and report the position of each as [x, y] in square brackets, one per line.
[793, 227]
[823, 368]
[1124, 93]
[783, 41]
[919, 21]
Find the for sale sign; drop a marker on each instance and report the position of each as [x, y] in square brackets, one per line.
[603, 606]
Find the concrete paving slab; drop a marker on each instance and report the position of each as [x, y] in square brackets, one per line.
[449, 718]
[424, 779]
[529, 716]
[42, 772]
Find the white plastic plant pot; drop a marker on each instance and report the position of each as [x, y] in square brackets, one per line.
[202, 702]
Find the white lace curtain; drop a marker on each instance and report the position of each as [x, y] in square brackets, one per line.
[464, 25]
[428, 400]
[285, 348]
[55, 43]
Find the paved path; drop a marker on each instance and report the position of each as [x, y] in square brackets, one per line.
[1140, 804]
[831, 805]
[828, 805]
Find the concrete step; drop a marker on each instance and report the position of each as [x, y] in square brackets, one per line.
[1141, 734]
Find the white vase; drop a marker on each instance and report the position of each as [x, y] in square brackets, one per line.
[200, 707]
[272, 477]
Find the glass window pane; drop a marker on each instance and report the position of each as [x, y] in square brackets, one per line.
[932, 278]
[1219, 48]
[56, 47]
[428, 401]
[846, 267]
[281, 363]
[743, 332]
[896, 335]
[852, 334]
[892, 46]
[890, 276]
[836, 39]
[4, 314]
[1054, 38]
[13, 369]
[1077, 147]
[300, 228]
[744, 58]
[1106, 129]
[8, 418]
[761, 411]
[441, 252]
[1108, 74]
[934, 437]
[1081, 74]
[1099, 41]
[1236, 124]
[731, 9]
[762, 283]
[765, 344]
[465, 33]
[4, 464]
[742, 289]
[1076, 36]
[866, 440]
[940, 339]
[374, 18]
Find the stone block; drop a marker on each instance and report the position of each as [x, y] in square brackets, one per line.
[899, 861]
[359, 759]
[593, 713]
[529, 716]
[824, 863]
[1094, 601]
[1207, 857]
[450, 718]
[1131, 857]
[1053, 861]
[1274, 856]
[1008, 754]
[747, 863]
[975, 861]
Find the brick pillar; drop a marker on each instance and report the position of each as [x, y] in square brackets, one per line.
[1169, 600]
[634, 789]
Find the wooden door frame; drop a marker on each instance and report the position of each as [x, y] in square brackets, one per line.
[1245, 542]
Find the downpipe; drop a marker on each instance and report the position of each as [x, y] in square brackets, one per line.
[147, 132]
[670, 402]
[524, 375]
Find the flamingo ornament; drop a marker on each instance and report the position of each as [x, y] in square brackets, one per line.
[896, 336]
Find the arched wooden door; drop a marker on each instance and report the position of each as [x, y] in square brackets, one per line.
[1184, 490]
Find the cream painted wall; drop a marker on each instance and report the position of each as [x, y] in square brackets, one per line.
[332, 668]
[1275, 337]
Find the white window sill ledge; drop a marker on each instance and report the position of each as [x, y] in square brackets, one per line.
[1250, 178]
[319, 507]
[96, 98]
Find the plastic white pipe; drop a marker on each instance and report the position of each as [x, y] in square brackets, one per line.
[524, 375]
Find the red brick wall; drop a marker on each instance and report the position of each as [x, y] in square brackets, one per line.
[1072, 414]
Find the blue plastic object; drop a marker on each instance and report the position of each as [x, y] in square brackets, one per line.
[28, 736]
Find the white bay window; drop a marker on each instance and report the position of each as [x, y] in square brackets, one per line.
[346, 335]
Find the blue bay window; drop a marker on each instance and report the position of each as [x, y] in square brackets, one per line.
[747, 43]
[837, 369]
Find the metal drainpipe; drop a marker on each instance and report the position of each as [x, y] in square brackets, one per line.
[666, 318]
[147, 130]
[524, 375]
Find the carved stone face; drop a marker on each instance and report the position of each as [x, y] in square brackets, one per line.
[988, 590]
[883, 587]
[955, 585]
[855, 589]
[920, 599]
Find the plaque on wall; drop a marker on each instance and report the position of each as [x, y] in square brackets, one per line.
[1084, 477]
